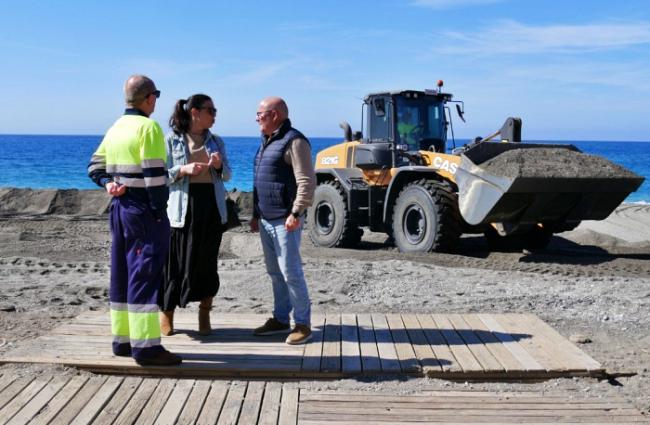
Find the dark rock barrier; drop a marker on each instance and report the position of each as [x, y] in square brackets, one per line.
[79, 202]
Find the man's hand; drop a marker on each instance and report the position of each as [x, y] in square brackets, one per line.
[193, 168]
[292, 223]
[215, 160]
[115, 189]
[255, 225]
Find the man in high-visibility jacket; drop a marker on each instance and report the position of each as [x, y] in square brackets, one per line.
[130, 165]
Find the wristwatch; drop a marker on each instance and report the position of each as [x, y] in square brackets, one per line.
[295, 214]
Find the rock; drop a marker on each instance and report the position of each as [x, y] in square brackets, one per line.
[580, 339]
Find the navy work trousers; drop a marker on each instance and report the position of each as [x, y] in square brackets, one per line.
[138, 254]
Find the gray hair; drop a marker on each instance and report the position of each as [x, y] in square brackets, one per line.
[137, 88]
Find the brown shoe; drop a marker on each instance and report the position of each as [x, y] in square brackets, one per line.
[272, 327]
[299, 335]
[167, 323]
[204, 317]
[162, 358]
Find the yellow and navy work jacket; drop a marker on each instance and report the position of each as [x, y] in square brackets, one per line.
[133, 153]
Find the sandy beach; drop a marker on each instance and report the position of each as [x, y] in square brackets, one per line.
[591, 284]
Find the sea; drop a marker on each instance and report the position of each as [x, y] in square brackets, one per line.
[60, 161]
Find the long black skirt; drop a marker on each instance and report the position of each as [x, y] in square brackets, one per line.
[191, 272]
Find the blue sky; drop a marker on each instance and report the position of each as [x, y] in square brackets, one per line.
[572, 70]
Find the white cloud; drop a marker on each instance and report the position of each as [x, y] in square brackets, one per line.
[510, 37]
[449, 4]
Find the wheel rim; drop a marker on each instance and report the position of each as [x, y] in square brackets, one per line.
[324, 218]
[414, 224]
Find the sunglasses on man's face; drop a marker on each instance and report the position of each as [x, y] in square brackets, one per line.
[155, 93]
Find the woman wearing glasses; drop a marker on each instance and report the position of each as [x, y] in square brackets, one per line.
[197, 167]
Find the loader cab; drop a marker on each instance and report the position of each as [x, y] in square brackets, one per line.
[409, 120]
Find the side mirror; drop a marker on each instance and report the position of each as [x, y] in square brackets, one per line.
[379, 105]
[461, 113]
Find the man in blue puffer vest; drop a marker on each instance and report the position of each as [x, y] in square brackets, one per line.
[283, 188]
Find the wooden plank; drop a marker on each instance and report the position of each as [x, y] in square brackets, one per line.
[492, 343]
[387, 354]
[252, 403]
[368, 345]
[314, 349]
[405, 353]
[271, 404]
[103, 344]
[54, 406]
[22, 398]
[463, 355]
[571, 356]
[69, 343]
[114, 407]
[447, 421]
[405, 410]
[331, 360]
[233, 361]
[80, 399]
[13, 389]
[350, 351]
[156, 402]
[425, 355]
[97, 402]
[485, 400]
[451, 418]
[233, 403]
[136, 404]
[194, 403]
[175, 403]
[39, 401]
[490, 407]
[488, 362]
[6, 380]
[448, 362]
[530, 342]
[510, 343]
[289, 405]
[213, 403]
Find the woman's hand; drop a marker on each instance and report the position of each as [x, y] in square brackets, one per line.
[193, 168]
[215, 160]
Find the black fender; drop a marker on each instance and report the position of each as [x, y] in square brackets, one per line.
[404, 176]
[342, 175]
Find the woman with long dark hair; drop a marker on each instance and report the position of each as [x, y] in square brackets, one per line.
[197, 167]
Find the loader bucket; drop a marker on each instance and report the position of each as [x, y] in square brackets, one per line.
[536, 183]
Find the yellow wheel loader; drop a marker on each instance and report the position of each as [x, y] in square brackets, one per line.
[403, 179]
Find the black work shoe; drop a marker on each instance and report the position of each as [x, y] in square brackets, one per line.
[161, 358]
[272, 327]
[122, 350]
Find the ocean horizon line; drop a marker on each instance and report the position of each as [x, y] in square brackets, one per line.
[332, 137]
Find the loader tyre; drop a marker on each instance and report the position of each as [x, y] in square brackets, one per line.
[329, 220]
[426, 218]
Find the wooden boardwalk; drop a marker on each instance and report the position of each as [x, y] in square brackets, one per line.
[450, 346]
[136, 400]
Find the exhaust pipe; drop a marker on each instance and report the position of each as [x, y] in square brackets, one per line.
[347, 131]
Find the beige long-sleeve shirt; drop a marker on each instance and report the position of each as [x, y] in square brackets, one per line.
[298, 155]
